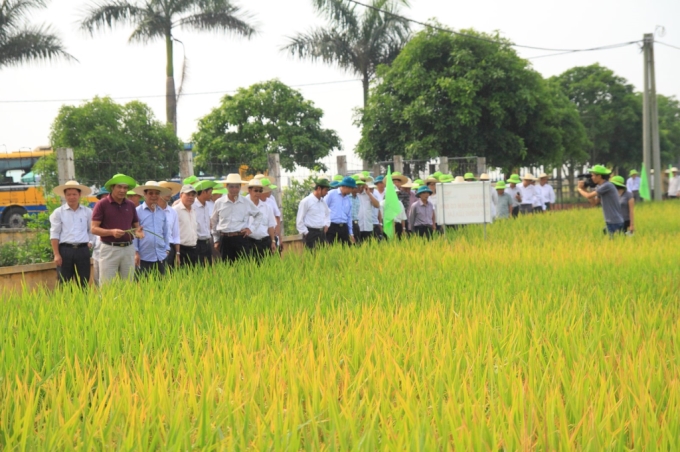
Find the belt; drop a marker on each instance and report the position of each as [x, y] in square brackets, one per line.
[118, 244]
[74, 245]
[230, 234]
[314, 229]
[339, 224]
[187, 247]
[203, 240]
[258, 240]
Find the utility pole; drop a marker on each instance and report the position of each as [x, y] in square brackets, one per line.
[650, 118]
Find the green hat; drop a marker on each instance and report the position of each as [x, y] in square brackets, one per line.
[500, 185]
[120, 179]
[633, 173]
[437, 174]
[220, 191]
[338, 177]
[356, 176]
[618, 181]
[415, 186]
[599, 169]
[133, 193]
[268, 184]
[445, 178]
[191, 180]
[469, 176]
[360, 182]
[322, 182]
[422, 190]
[204, 185]
[419, 182]
[514, 179]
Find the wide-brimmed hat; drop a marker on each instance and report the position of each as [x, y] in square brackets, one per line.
[335, 183]
[444, 178]
[233, 178]
[422, 190]
[431, 180]
[322, 182]
[152, 185]
[205, 185]
[348, 181]
[500, 185]
[84, 190]
[366, 176]
[133, 193]
[407, 184]
[338, 177]
[370, 184]
[360, 182]
[174, 187]
[437, 174]
[101, 193]
[419, 182]
[191, 180]
[255, 183]
[483, 176]
[514, 179]
[469, 176]
[400, 177]
[618, 181]
[458, 180]
[599, 169]
[529, 176]
[543, 176]
[267, 184]
[633, 173]
[121, 179]
[672, 170]
[259, 176]
[379, 179]
[220, 191]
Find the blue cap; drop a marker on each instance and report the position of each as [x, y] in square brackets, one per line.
[423, 189]
[335, 184]
[348, 181]
[379, 179]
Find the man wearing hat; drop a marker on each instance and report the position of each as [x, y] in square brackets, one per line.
[172, 220]
[609, 197]
[340, 207]
[633, 184]
[70, 234]
[673, 183]
[421, 216]
[504, 203]
[367, 204]
[263, 238]
[268, 197]
[547, 192]
[188, 227]
[512, 190]
[202, 207]
[469, 177]
[113, 219]
[231, 221]
[528, 196]
[152, 250]
[134, 197]
[313, 216]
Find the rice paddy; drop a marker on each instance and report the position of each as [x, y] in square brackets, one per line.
[547, 335]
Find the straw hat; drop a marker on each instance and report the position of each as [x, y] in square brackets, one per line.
[483, 176]
[407, 184]
[672, 170]
[459, 180]
[259, 176]
[543, 176]
[174, 187]
[400, 177]
[151, 185]
[84, 191]
[529, 176]
[233, 178]
[255, 183]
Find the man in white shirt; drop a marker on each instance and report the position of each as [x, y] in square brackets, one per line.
[173, 221]
[633, 184]
[204, 211]
[366, 204]
[188, 226]
[230, 222]
[71, 236]
[268, 197]
[314, 216]
[262, 239]
[513, 191]
[673, 183]
[527, 195]
[547, 191]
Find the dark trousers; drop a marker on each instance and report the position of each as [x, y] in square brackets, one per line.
[365, 235]
[315, 238]
[547, 206]
[515, 211]
[188, 256]
[357, 232]
[338, 232]
[170, 259]
[526, 209]
[235, 247]
[377, 232]
[204, 252]
[636, 195]
[423, 231]
[261, 248]
[75, 265]
[398, 229]
[626, 225]
[538, 209]
[146, 268]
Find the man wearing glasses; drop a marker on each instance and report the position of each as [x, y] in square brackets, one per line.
[263, 237]
[188, 226]
[231, 222]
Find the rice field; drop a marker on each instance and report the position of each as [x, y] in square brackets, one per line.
[546, 336]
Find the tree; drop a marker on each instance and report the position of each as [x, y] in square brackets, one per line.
[610, 112]
[669, 129]
[356, 43]
[158, 19]
[265, 118]
[453, 95]
[109, 138]
[290, 201]
[21, 42]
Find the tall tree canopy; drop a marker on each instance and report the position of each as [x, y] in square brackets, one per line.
[159, 19]
[109, 138]
[265, 118]
[452, 95]
[21, 42]
[357, 39]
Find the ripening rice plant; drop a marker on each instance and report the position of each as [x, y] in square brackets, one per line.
[546, 336]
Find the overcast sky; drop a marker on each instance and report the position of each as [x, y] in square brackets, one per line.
[108, 65]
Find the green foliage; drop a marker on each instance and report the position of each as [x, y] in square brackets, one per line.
[450, 95]
[46, 168]
[669, 129]
[109, 138]
[610, 112]
[290, 200]
[265, 118]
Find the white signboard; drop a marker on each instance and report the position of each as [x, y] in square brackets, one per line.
[464, 203]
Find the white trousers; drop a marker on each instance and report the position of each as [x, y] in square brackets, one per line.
[116, 261]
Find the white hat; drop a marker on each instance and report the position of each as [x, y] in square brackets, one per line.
[187, 189]
[528, 176]
[483, 176]
[259, 176]
[459, 180]
[152, 185]
[543, 176]
[233, 178]
[255, 183]
[672, 170]
[407, 184]
[84, 191]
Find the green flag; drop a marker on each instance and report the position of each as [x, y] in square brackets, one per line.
[644, 185]
[392, 206]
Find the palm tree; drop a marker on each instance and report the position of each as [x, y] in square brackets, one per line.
[356, 43]
[21, 42]
[157, 19]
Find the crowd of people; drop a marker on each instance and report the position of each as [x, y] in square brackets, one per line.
[137, 229]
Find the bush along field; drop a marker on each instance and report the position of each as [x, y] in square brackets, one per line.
[547, 335]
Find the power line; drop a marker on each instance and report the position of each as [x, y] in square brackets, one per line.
[613, 46]
[668, 45]
[163, 95]
[562, 51]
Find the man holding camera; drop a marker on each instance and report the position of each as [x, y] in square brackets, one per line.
[609, 197]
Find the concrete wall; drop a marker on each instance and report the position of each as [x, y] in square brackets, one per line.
[15, 235]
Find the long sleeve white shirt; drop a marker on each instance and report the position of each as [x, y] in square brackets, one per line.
[674, 186]
[188, 226]
[529, 194]
[312, 212]
[633, 184]
[173, 224]
[548, 194]
[233, 216]
[203, 215]
[261, 230]
[365, 213]
[71, 226]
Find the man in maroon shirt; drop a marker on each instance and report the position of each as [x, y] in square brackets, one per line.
[112, 219]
